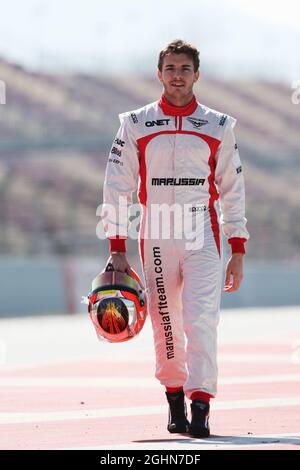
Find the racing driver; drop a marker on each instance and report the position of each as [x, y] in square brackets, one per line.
[180, 154]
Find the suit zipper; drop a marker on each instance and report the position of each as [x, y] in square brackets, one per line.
[180, 123]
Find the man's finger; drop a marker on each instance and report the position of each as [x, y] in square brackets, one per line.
[227, 289]
[227, 281]
[237, 279]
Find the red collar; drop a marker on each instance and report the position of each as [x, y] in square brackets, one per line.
[171, 110]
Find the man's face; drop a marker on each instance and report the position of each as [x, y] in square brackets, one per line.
[177, 75]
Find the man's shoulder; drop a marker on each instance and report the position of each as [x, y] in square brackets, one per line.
[138, 115]
[218, 117]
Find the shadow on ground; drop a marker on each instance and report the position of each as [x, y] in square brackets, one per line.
[228, 440]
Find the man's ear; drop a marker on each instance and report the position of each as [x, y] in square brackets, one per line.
[197, 75]
[159, 75]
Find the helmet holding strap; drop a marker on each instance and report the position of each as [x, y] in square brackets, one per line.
[117, 305]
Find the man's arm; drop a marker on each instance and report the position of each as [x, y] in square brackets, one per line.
[230, 181]
[120, 182]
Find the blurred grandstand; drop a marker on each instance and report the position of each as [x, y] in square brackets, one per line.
[56, 132]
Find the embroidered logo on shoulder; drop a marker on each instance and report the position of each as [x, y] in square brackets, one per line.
[239, 169]
[222, 120]
[197, 123]
[134, 118]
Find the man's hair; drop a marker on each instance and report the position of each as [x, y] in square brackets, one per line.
[180, 47]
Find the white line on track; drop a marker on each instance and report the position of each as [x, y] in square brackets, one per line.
[33, 417]
[132, 382]
[122, 360]
[255, 358]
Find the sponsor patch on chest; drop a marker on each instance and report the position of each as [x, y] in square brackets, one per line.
[197, 123]
[178, 181]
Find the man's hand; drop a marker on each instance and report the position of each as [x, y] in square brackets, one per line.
[119, 262]
[234, 273]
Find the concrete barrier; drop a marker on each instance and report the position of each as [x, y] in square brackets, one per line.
[30, 286]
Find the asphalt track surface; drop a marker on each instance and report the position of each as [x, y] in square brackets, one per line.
[63, 389]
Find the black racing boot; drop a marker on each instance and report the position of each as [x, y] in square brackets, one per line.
[178, 422]
[199, 426]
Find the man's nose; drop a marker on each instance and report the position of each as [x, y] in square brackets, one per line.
[177, 73]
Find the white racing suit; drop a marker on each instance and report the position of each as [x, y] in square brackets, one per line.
[183, 156]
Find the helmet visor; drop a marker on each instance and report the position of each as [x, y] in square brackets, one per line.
[113, 316]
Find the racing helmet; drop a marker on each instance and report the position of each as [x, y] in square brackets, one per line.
[117, 305]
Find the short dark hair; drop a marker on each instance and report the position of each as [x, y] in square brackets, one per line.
[178, 46]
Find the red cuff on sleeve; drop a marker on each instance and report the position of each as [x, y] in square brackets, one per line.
[117, 244]
[237, 245]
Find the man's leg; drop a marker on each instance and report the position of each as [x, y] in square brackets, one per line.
[164, 289]
[202, 275]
